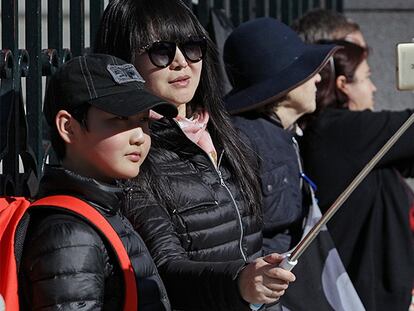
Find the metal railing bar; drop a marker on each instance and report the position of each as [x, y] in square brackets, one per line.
[96, 10]
[77, 27]
[10, 88]
[55, 25]
[34, 80]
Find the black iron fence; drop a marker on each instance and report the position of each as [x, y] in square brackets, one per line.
[22, 139]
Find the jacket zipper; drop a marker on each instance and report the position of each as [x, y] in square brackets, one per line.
[235, 206]
[296, 147]
[222, 183]
[128, 197]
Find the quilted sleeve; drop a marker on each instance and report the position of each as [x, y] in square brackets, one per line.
[64, 265]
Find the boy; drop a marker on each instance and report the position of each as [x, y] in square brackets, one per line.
[97, 109]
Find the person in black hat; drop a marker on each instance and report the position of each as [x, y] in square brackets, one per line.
[98, 110]
[274, 76]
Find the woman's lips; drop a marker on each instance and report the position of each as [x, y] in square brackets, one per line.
[182, 81]
[134, 156]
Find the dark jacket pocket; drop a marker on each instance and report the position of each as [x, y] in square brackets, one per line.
[274, 181]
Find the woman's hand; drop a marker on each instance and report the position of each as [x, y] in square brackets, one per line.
[262, 281]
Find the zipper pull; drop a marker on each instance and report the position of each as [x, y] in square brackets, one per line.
[128, 197]
[221, 177]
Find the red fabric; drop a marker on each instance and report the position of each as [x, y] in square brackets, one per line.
[11, 212]
[412, 218]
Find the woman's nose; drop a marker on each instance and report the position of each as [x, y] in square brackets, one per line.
[137, 136]
[179, 59]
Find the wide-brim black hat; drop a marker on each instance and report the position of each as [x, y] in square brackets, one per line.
[265, 59]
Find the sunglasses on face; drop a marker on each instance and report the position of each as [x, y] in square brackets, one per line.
[162, 53]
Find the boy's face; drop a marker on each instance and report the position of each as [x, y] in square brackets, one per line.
[111, 147]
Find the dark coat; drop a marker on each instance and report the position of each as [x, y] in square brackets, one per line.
[67, 265]
[280, 179]
[204, 235]
[371, 229]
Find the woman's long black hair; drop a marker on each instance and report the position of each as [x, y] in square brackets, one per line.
[128, 25]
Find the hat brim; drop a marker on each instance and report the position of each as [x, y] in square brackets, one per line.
[126, 104]
[303, 68]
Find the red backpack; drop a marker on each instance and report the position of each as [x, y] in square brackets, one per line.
[12, 210]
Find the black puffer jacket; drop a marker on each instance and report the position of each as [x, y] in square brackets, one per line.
[67, 265]
[204, 235]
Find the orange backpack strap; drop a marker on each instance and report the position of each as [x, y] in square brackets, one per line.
[12, 210]
[101, 223]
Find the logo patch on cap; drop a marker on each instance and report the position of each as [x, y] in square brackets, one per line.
[124, 73]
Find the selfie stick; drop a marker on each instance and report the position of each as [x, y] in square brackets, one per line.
[292, 259]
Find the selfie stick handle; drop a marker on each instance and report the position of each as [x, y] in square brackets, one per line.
[291, 260]
[287, 263]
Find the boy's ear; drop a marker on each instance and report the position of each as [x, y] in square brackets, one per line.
[66, 126]
[342, 84]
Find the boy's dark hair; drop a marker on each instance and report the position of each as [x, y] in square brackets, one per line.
[128, 25]
[321, 24]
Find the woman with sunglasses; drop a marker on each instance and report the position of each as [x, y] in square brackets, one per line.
[199, 209]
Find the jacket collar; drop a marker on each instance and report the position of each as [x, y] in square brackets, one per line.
[166, 133]
[294, 129]
[58, 180]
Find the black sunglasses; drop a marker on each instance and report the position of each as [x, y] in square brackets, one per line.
[162, 53]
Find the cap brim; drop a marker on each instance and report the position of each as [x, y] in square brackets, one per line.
[126, 104]
[257, 95]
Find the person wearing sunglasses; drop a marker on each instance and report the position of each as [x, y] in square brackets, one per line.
[199, 207]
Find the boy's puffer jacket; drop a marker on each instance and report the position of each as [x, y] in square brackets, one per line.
[67, 265]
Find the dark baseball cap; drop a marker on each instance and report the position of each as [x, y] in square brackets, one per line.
[105, 82]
